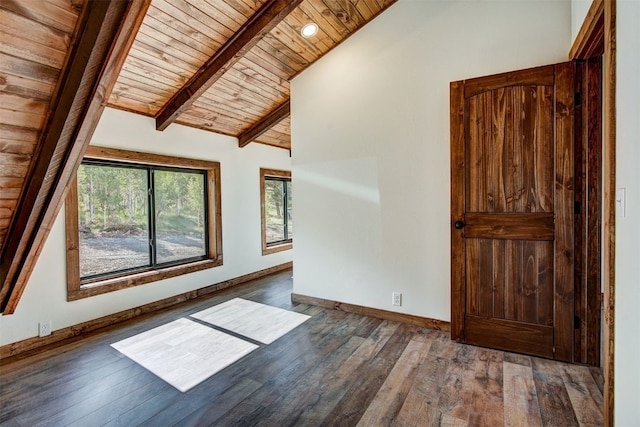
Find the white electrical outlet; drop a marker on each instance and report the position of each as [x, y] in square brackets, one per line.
[44, 328]
[396, 299]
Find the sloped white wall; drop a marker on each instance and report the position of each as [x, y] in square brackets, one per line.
[627, 266]
[45, 295]
[370, 127]
[579, 10]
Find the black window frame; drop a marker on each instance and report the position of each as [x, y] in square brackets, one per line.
[151, 217]
[284, 177]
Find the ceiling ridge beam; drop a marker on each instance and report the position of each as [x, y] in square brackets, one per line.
[264, 20]
[105, 32]
[266, 123]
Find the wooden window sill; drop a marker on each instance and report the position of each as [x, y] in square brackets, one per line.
[122, 282]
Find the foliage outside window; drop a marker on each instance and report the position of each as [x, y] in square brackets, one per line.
[276, 213]
[133, 218]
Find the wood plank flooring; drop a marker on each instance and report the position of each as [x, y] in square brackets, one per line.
[336, 369]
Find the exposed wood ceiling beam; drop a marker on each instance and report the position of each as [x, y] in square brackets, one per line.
[263, 21]
[265, 124]
[104, 35]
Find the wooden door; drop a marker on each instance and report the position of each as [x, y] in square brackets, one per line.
[512, 211]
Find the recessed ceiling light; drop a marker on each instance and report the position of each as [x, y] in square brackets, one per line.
[309, 30]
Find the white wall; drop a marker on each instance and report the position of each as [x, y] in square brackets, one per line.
[45, 295]
[370, 127]
[579, 10]
[627, 285]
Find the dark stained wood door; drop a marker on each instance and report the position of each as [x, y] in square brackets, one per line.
[512, 211]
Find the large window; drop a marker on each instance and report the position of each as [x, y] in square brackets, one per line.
[133, 218]
[277, 219]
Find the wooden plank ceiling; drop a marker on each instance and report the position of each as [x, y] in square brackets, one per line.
[178, 37]
[219, 65]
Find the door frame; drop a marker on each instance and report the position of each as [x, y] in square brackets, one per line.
[598, 34]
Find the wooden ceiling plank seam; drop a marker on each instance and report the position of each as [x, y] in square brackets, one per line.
[265, 124]
[272, 140]
[24, 68]
[172, 36]
[16, 147]
[231, 102]
[136, 66]
[221, 105]
[207, 126]
[291, 49]
[173, 40]
[144, 85]
[25, 87]
[138, 90]
[184, 54]
[171, 8]
[202, 117]
[284, 54]
[31, 51]
[17, 133]
[161, 61]
[372, 5]
[267, 17]
[132, 107]
[205, 43]
[254, 84]
[15, 171]
[229, 12]
[118, 94]
[239, 105]
[289, 36]
[256, 71]
[227, 24]
[291, 28]
[324, 26]
[249, 7]
[22, 118]
[317, 8]
[350, 21]
[252, 97]
[43, 13]
[283, 69]
[105, 34]
[46, 36]
[257, 103]
[363, 9]
[10, 101]
[272, 69]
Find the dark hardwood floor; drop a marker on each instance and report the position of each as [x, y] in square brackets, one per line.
[336, 369]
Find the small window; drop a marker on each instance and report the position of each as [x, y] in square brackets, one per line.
[131, 223]
[276, 214]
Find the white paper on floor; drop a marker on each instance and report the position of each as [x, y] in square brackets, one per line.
[183, 352]
[259, 322]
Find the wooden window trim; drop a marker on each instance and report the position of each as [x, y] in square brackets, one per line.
[78, 289]
[266, 250]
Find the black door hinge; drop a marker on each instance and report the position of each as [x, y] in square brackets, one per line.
[577, 207]
[576, 322]
[577, 99]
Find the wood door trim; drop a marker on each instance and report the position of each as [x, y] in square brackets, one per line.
[509, 226]
[590, 39]
[609, 235]
[458, 299]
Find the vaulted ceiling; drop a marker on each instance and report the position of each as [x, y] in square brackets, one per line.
[219, 65]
